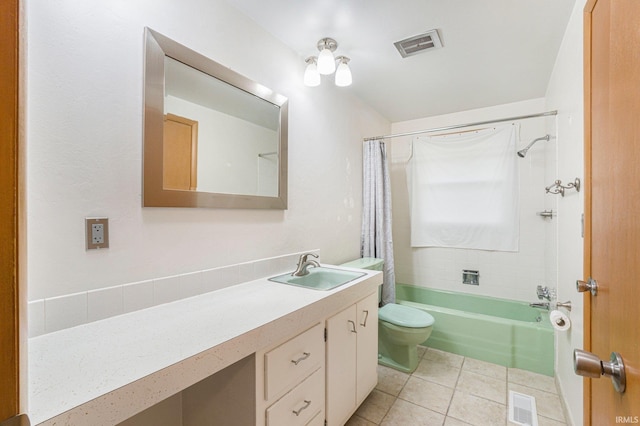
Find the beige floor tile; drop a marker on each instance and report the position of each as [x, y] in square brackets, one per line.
[359, 421]
[547, 404]
[483, 386]
[376, 406]
[437, 372]
[450, 421]
[391, 381]
[485, 368]
[421, 351]
[477, 411]
[404, 413]
[543, 421]
[453, 360]
[532, 380]
[427, 394]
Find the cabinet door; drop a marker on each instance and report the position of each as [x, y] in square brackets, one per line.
[341, 366]
[367, 359]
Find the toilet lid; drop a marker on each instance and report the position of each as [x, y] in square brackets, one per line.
[405, 316]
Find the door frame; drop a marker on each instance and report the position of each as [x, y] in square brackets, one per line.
[12, 226]
[587, 15]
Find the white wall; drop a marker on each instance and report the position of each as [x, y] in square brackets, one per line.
[502, 274]
[84, 129]
[565, 93]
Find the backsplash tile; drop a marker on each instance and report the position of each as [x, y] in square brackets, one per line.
[65, 311]
[137, 296]
[105, 303]
[57, 313]
[35, 310]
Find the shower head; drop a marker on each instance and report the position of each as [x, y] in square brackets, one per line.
[523, 152]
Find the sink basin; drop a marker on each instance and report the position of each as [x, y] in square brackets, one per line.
[319, 278]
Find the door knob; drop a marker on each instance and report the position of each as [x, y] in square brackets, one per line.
[589, 365]
[591, 285]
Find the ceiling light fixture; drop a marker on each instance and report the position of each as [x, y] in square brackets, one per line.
[343, 73]
[325, 64]
[311, 74]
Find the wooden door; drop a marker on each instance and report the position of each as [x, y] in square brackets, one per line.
[612, 211]
[341, 366]
[12, 296]
[180, 153]
[367, 364]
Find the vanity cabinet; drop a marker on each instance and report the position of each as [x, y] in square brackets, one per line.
[291, 380]
[352, 358]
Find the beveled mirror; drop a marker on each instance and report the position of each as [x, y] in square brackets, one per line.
[212, 137]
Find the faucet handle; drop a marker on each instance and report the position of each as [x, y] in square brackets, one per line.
[303, 258]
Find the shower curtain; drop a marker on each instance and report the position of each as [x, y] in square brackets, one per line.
[376, 239]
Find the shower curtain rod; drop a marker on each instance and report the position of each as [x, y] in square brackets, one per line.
[459, 126]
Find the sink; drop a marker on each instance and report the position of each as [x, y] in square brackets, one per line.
[319, 278]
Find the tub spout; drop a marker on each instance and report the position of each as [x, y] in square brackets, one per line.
[543, 305]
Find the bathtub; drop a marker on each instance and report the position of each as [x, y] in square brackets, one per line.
[500, 331]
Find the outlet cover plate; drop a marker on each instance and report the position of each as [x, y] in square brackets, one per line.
[96, 232]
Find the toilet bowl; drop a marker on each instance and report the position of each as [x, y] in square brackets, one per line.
[400, 328]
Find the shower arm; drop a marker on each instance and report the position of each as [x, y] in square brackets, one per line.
[523, 151]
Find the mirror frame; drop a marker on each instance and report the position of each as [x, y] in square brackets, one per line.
[157, 46]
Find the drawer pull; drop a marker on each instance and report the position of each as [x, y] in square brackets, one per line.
[306, 405]
[366, 316]
[304, 356]
[353, 326]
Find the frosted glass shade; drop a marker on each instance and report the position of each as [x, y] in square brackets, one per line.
[326, 62]
[343, 75]
[311, 75]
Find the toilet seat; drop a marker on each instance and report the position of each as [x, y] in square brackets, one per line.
[405, 316]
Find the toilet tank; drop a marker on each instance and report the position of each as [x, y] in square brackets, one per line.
[371, 263]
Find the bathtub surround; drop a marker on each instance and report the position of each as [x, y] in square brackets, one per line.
[377, 236]
[510, 275]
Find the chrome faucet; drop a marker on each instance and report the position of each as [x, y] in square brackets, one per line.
[543, 305]
[545, 293]
[304, 263]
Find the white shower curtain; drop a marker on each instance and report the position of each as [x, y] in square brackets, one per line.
[463, 190]
[376, 240]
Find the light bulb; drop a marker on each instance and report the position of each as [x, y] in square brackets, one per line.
[326, 62]
[311, 74]
[343, 73]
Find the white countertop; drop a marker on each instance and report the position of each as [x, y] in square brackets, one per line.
[104, 372]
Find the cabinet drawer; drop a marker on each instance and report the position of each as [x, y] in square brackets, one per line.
[301, 404]
[289, 363]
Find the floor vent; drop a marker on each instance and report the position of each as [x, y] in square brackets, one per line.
[418, 44]
[522, 409]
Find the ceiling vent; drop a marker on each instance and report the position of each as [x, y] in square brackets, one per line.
[418, 44]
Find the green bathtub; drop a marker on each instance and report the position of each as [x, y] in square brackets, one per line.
[500, 331]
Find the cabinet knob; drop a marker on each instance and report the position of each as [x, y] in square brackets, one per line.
[353, 326]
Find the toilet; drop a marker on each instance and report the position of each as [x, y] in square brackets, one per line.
[400, 328]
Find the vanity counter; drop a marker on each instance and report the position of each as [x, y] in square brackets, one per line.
[104, 372]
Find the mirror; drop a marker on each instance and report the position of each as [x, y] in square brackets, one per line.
[212, 138]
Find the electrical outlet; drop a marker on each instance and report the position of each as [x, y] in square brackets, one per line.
[97, 232]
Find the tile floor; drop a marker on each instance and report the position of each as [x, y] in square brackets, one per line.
[452, 390]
